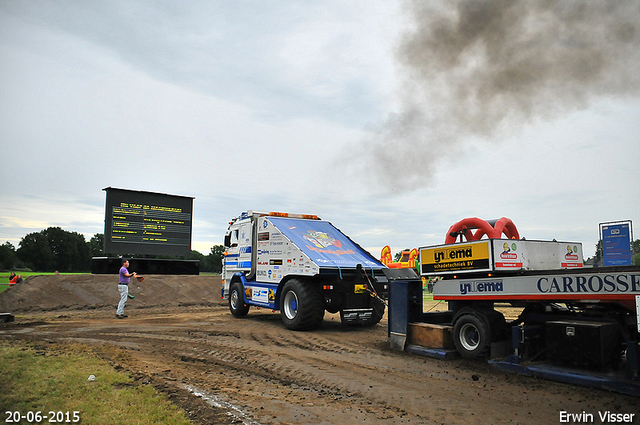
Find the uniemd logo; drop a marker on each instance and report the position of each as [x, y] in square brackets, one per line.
[481, 286]
[452, 254]
[455, 257]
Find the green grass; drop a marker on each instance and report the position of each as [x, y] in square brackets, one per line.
[40, 379]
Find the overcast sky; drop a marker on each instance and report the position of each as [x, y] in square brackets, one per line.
[391, 119]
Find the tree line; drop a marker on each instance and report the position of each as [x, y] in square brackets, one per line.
[55, 249]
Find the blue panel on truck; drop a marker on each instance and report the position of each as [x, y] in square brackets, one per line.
[324, 244]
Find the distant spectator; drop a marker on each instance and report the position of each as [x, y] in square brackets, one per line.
[13, 279]
[19, 279]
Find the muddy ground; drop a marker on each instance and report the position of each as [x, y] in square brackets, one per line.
[181, 338]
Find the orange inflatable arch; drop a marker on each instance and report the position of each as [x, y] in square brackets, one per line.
[474, 228]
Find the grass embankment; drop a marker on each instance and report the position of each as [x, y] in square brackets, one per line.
[36, 379]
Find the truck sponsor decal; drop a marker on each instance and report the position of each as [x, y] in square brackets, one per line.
[257, 294]
[331, 251]
[509, 257]
[571, 258]
[324, 244]
[321, 239]
[455, 257]
[260, 295]
[481, 286]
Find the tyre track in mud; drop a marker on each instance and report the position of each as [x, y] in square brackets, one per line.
[288, 358]
[263, 373]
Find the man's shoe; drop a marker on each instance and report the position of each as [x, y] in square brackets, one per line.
[121, 316]
[130, 296]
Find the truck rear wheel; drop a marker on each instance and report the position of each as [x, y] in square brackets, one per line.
[471, 336]
[302, 305]
[236, 301]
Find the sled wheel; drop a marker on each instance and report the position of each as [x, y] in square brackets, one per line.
[302, 305]
[236, 301]
[471, 337]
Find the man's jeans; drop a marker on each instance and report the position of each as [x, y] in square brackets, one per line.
[124, 291]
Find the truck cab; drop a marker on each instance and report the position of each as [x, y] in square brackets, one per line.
[238, 254]
[302, 266]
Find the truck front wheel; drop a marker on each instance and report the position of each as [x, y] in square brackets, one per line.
[471, 337]
[236, 301]
[302, 305]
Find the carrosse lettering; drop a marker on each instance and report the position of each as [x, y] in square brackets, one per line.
[593, 283]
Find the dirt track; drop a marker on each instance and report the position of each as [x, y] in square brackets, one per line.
[181, 338]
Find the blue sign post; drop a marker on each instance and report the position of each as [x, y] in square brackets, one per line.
[616, 243]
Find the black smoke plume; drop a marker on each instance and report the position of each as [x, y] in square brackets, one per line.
[474, 69]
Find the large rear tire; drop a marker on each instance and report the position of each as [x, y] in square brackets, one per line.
[472, 336]
[301, 305]
[236, 301]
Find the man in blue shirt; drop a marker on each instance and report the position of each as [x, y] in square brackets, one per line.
[123, 287]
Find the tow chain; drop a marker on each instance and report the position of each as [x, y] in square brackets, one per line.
[372, 291]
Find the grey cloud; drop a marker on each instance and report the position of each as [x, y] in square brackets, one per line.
[232, 50]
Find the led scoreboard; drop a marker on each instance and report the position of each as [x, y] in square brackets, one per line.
[138, 222]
